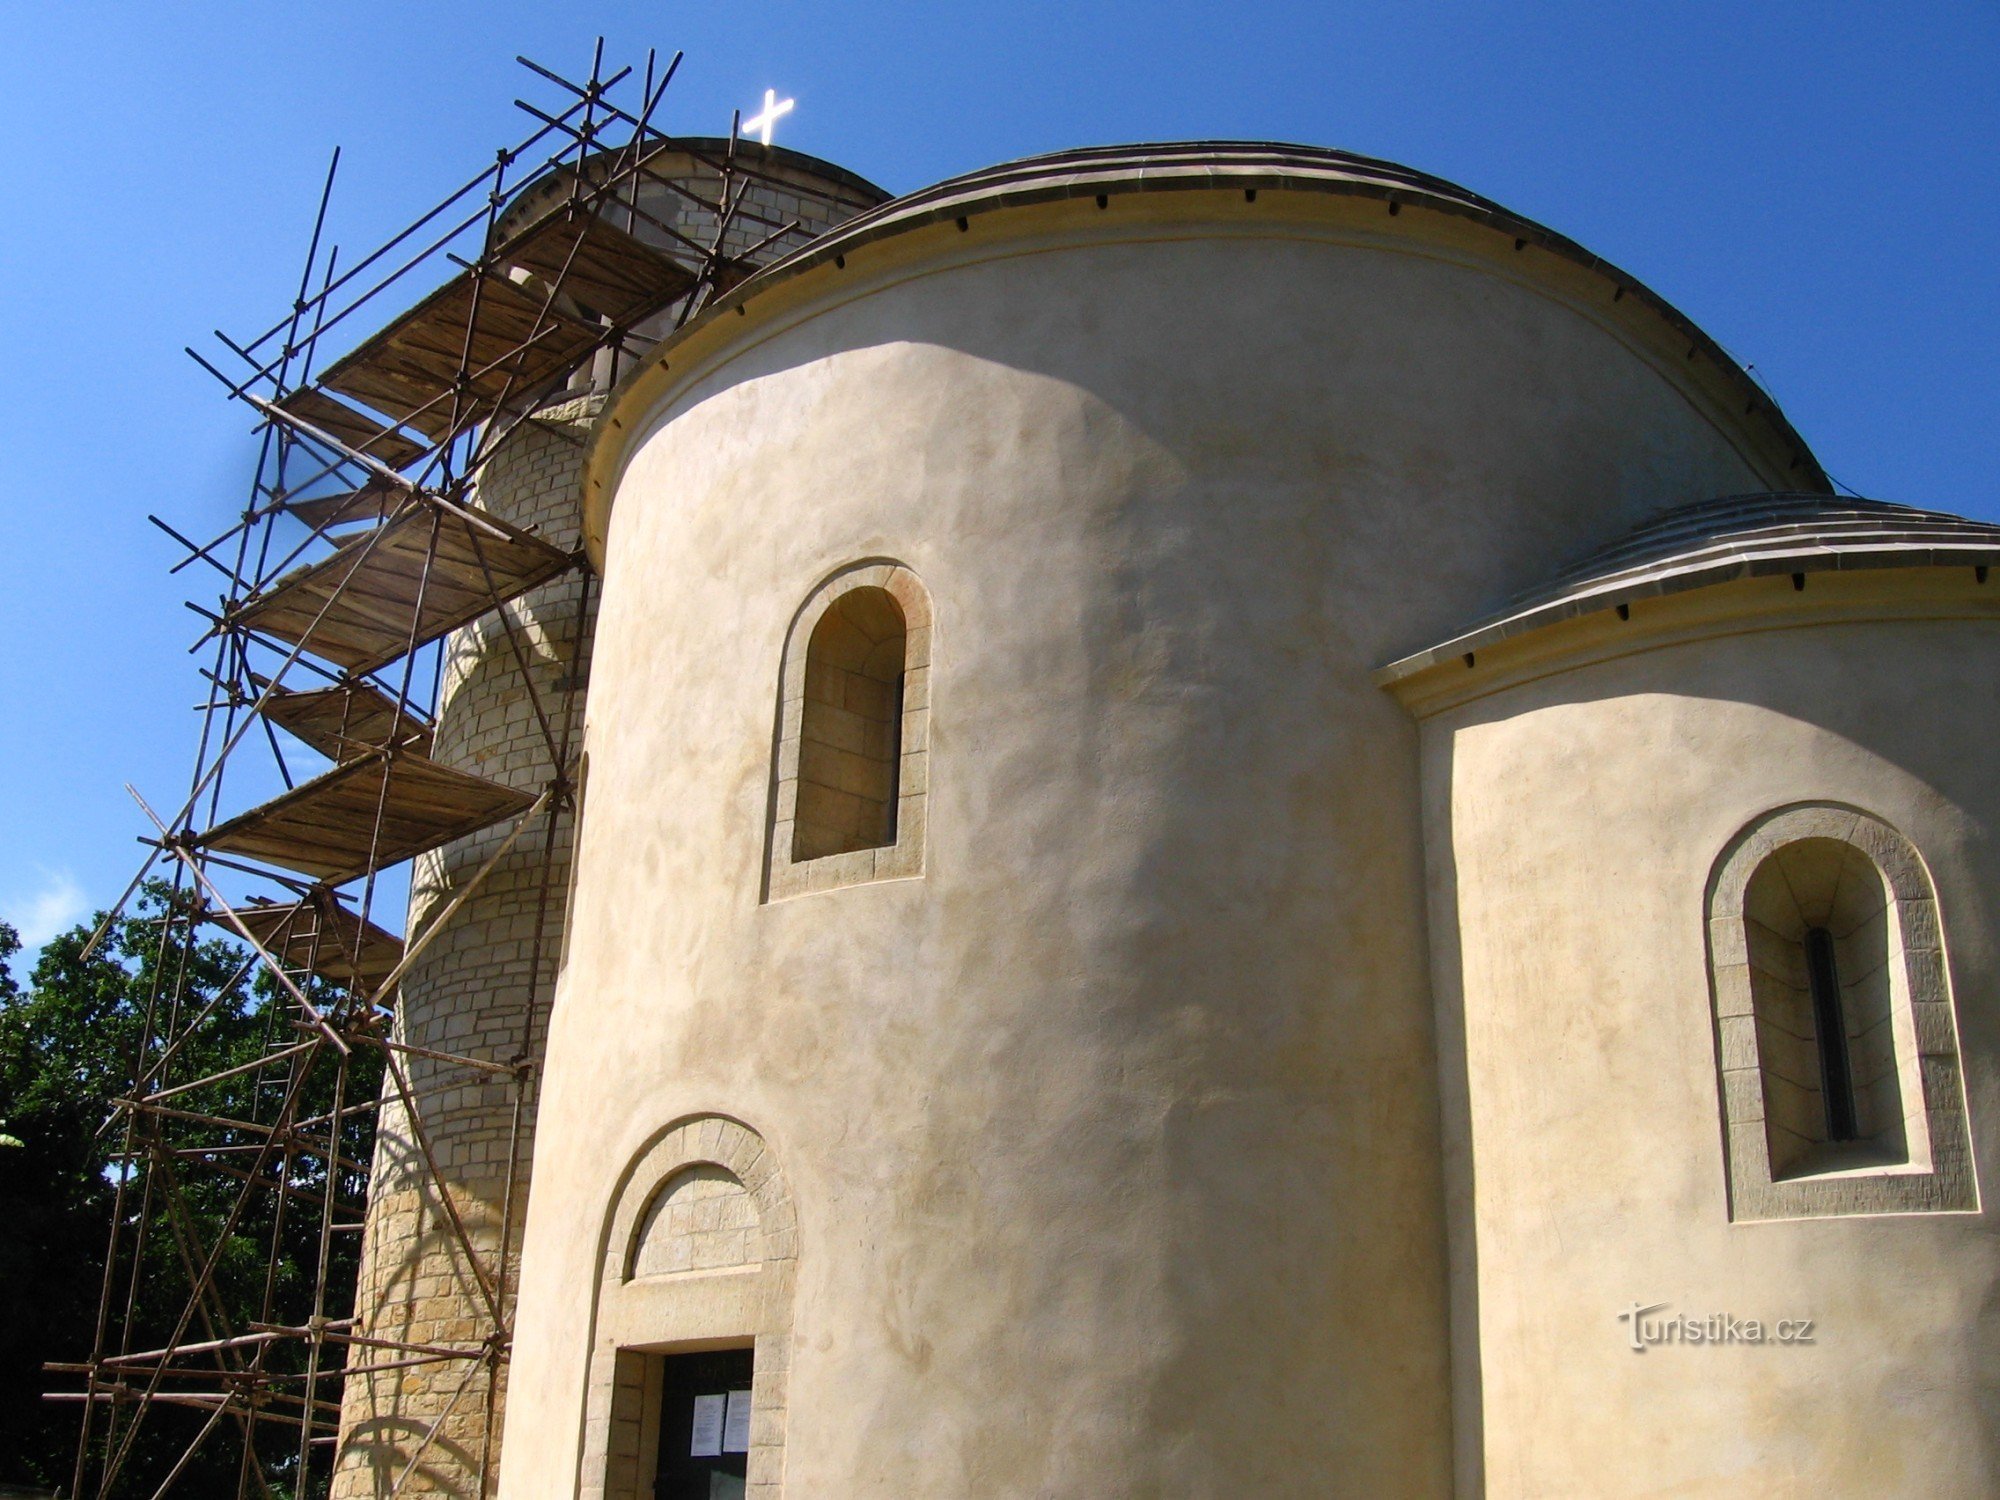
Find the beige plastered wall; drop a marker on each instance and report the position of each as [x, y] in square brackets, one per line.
[1579, 787]
[1113, 1137]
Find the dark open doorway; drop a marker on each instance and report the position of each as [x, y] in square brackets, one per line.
[704, 1425]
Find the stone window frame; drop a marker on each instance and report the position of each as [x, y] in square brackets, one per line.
[1939, 1177]
[785, 877]
[638, 1317]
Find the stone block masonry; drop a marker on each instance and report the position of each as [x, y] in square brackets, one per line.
[481, 989]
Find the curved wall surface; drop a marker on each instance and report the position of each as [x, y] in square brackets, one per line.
[1112, 1134]
[507, 710]
[1587, 794]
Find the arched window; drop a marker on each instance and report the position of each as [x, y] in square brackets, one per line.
[1817, 920]
[850, 729]
[852, 780]
[1835, 1039]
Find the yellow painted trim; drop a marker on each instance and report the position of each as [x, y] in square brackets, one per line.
[1747, 606]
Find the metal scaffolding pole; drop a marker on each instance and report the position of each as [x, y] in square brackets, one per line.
[361, 546]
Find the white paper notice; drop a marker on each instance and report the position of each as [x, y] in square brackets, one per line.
[736, 1426]
[708, 1424]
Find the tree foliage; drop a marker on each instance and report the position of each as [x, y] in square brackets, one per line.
[70, 1041]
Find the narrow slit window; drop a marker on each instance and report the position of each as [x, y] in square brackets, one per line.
[1830, 1024]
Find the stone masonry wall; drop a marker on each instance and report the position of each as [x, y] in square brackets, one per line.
[481, 989]
[767, 203]
[781, 194]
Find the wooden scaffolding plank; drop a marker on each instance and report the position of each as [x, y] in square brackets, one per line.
[605, 270]
[505, 342]
[374, 500]
[359, 431]
[348, 720]
[370, 624]
[325, 828]
[320, 934]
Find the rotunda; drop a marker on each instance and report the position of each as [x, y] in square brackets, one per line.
[1208, 868]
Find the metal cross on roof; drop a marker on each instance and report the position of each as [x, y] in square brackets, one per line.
[760, 125]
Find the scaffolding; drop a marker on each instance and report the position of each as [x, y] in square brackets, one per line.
[362, 547]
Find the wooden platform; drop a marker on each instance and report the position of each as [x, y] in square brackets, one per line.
[488, 337]
[320, 934]
[357, 430]
[348, 721]
[508, 340]
[373, 501]
[478, 564]
[604, 270]
[325, 827]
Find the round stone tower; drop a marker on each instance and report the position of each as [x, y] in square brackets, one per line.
[482, 986]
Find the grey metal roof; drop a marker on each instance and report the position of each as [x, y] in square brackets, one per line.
[1715, 541]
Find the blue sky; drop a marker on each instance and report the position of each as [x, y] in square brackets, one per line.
[1812, 183]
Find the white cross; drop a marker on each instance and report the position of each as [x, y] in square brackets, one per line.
[774, 107]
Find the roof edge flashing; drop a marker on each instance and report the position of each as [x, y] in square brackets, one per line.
[1232, 170]
[1772, 536]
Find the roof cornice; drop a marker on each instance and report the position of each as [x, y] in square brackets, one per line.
[1721, 541]
[1224, 178]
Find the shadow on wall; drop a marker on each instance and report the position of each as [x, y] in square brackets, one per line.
[1306, 373]
[1352, 455]
[418, 1285]
[406, 1458]
[1461, 1184]
[1861, 728]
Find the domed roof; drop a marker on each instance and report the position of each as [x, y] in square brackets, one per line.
[1243, 170]
[1171, 166]
[1241, 182]
[1715, 541]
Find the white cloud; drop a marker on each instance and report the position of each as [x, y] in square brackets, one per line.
[52, 907]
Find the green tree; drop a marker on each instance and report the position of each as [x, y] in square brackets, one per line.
[69, 1042]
